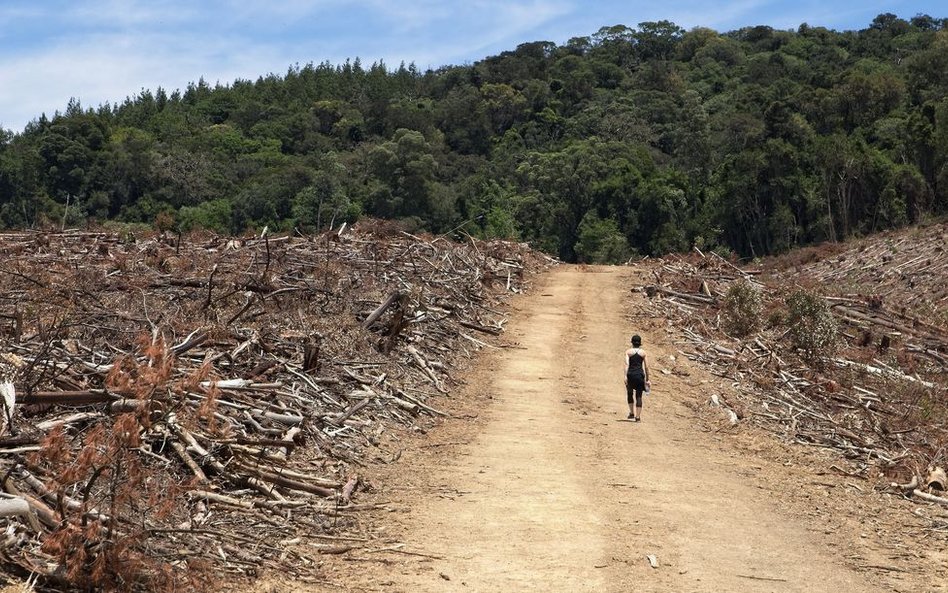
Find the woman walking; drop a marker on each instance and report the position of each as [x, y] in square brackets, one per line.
[636, 377]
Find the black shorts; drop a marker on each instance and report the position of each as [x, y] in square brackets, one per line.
[635, 385]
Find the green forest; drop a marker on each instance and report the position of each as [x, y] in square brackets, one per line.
[632, 141]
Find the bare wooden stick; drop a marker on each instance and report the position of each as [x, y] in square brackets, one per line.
[930, 497]
[374, 316]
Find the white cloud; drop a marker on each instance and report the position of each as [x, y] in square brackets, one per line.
[16, 13]
[437, 33]
[110, 68]
[105, 50]
[114, 48]
[130, 13]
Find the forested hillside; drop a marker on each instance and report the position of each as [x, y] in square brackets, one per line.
[632, 140]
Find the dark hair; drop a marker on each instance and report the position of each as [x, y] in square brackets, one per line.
[636, 340]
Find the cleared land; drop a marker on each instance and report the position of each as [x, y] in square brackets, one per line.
[551, 490]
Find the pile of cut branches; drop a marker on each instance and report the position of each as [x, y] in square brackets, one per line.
[824, 354]
[181, 407]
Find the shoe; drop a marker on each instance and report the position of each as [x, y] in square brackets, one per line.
[637, 420]
[631, 417]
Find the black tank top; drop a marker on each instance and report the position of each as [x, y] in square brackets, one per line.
[635, 364]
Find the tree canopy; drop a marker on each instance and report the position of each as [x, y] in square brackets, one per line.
[633, 140]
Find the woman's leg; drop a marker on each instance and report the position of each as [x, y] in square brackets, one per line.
[630, 397]
[639, 388]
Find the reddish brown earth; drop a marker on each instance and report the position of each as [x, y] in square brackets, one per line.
[550, 489]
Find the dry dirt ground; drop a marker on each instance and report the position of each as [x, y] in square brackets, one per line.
[549, 488]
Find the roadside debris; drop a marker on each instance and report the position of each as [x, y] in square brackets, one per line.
[173, 408]
[876, 391]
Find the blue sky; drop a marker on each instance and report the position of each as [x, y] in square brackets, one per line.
[105, 50]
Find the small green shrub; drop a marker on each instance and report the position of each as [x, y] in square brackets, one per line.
[741, 311]
[811, 326]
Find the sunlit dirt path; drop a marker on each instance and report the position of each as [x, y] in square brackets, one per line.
[557, 492]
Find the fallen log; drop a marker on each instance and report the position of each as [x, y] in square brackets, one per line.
[292, 484]
[936, 478]
[40, 509]
[480, 328]
[695, 298]
[930, 497]
[423, 365]
[374, 316]
[47, 425]
[68, 398]
[189, 461]
[339, 419]
[14, 507]
[321, 481]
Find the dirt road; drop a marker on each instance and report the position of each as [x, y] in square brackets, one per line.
[557, 492]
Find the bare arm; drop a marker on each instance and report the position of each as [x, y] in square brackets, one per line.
[645, 366]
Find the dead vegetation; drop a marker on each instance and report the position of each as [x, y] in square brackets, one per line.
[849, 353]
[177, 413]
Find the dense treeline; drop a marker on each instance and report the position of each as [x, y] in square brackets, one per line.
[633, 140]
